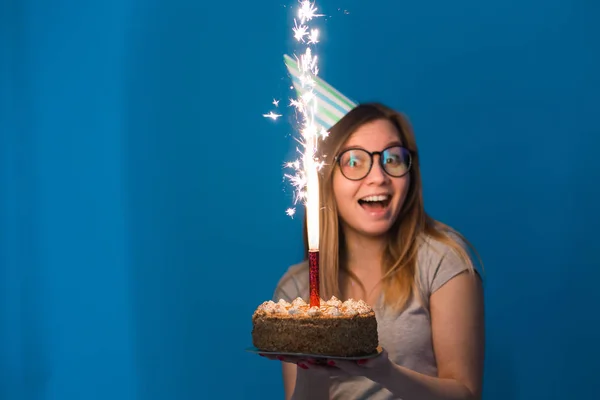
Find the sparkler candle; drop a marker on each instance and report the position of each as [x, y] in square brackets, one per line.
[306, 104]
[320, 106]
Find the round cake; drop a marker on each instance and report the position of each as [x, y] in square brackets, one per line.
[336, 328]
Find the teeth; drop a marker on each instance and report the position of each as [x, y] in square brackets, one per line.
[381, 197]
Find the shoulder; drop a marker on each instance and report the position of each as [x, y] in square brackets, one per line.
[294, 283]
[441, 259]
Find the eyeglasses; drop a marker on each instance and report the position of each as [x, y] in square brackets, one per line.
[356, 164]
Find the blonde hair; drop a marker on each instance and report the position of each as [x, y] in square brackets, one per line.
[399, 266]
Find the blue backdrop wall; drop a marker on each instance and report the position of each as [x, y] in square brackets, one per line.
[140, 186]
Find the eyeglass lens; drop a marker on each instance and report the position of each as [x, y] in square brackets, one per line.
[356, 163]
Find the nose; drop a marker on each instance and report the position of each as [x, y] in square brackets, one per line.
[377, 175]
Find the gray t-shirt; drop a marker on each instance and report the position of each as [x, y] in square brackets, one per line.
[407, 335]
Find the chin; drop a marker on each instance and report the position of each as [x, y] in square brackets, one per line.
[375, 231]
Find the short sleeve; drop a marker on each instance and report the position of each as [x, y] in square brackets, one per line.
[293, 284]
[439, 263]
[449, 266]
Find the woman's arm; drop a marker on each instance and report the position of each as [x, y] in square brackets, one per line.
[457, 317]
[289, 378]
[304, 384]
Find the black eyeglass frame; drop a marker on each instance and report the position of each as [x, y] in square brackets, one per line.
[338, 159]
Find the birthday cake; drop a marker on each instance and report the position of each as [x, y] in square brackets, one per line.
[335, 328]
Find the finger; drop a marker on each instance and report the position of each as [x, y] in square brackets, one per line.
[373, 361]
[302, 365]
[337, 368]
[364, 362]
[348, 367]
[316, 361]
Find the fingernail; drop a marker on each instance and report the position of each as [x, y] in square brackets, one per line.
[330, 362]
[361, 362]
[262, 355]
[311, 361]
[280, 358]
[302, 366]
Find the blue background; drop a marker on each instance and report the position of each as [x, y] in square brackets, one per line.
[142, 202]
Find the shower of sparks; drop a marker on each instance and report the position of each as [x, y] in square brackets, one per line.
[305, 179]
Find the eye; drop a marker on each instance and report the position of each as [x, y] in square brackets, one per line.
[394, 157]
[353, 159]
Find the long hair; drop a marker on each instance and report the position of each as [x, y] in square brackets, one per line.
[400, 279]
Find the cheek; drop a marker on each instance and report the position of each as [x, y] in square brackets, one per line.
[337, 189]
[402, 186]
[343, 190]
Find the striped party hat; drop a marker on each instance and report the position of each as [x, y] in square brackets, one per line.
[331, 105]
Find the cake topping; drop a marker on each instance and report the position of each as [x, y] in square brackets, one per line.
[332, 307]
[298, 302]
[333, 311]
[334, 302]
[280, 309]
[267, 306]
[359, 306]
[283, 303]
[314, 311]
[351, 312]
[295, 310]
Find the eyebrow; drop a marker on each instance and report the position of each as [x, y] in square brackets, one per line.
[392, 143]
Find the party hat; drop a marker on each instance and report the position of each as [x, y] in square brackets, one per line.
[331, 105]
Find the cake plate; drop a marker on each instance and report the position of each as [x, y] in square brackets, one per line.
[317, 357]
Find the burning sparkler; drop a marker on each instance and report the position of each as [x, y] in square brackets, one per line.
[307, 179]
[319, 106]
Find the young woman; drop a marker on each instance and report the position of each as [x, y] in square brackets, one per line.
[414, 271]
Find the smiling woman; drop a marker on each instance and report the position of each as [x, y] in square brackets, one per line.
[383, 248]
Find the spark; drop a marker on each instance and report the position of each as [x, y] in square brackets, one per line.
[313, 38]
[290, 212]
[272, 115]
[307, 11]
[300, 31]
[276, 103]
[296, 103]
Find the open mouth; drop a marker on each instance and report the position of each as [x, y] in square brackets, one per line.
[375, 203]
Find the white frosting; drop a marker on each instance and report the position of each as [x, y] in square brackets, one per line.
[280, 309]
[334, 302]
[333, 307]
[283, 303]
[334, 312]
[295, 310]
[314, 311]
[359, 306]
[267, 306]
[298, 302]
[351, 312]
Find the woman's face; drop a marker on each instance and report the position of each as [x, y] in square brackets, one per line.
[369, 206]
